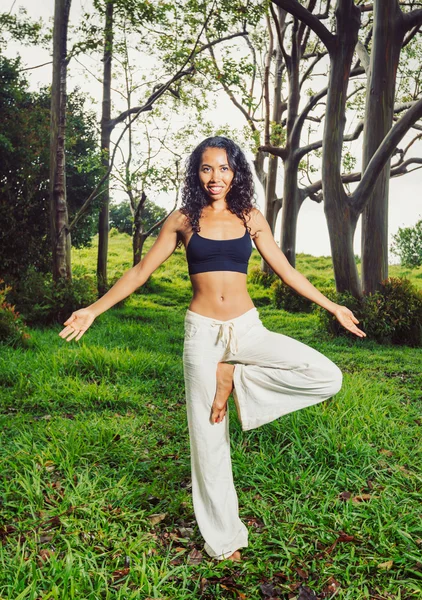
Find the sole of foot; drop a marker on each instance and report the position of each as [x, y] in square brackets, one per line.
[224, 388]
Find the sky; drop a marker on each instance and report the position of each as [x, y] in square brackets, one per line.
[405, 203]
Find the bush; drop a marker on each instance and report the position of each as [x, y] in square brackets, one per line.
[13, 330]
[285, 297]
[391, 315]
[257, 276]
[42, 302]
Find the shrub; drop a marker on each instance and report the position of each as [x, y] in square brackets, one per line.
[391, 315]
[285, 297]
[257, 276]
[13, 330]
[42, 302]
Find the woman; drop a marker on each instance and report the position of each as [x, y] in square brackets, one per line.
[226, 347]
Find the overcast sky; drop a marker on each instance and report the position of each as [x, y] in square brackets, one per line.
[405, 206]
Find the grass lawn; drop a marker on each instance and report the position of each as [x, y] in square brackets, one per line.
[95, 469]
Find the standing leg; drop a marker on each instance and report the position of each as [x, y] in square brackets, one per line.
[213, 493]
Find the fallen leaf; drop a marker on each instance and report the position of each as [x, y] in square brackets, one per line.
[362, 498]
[386, 566]
[386, 452]
[331, 588]
[186, 532]
[154, 519]
[45, 538]
[256, 523]
[344, 537]
[194, 557]
[6, 530]
[302, 573]
[52, 523]
[44, 555]
[120, 574]
[269, 590]
[345, 496]
[306, 593]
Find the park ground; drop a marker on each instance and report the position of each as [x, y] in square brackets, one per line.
[95, 470]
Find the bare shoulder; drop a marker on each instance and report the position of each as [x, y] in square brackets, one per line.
[176, 221]
[257, 222]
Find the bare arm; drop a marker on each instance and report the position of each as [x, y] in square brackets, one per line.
[133, 278]
[278, 262]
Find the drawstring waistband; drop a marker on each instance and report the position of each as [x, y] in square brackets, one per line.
[228, 330]
[227, 334]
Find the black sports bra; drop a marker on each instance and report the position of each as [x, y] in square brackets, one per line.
[204, 254]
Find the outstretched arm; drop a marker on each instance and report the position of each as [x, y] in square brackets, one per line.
[278, 262]
[163, 247]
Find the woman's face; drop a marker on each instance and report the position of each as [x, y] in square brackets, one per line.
[215, 174]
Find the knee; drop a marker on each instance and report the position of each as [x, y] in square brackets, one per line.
[336, 379]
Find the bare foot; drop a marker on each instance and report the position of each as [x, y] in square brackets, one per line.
[235, 556]
[224, 388]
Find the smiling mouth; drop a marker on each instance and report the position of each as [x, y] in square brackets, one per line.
[214, 189]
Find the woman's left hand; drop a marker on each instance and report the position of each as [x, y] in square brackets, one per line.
[346, 318]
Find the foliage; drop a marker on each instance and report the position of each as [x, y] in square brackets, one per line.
[121, 217]
[13, 330]
[287, 298]
[407, 245]
[21, 28]
[43, 302]
[258, 276]
[24, 175]
[390, 315]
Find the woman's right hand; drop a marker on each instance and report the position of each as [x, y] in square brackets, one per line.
[77, 324]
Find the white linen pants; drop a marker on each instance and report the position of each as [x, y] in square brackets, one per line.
[274, 374]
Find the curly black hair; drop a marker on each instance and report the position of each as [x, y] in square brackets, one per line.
[241, 197]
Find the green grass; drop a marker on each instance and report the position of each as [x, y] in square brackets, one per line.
[94, 441]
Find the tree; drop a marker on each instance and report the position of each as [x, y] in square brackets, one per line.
[24, 171]
[341, 209]
[407, 244]
[180, 63]
[59, 223]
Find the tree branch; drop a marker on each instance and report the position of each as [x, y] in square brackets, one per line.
[412, 19]
[383, 155]
[312, 191]
[309, 70]
[300, 153]
[411, 35]
[275, 150]
[302, 14]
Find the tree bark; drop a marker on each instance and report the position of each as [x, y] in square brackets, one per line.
[341, 218]
[272, 203]
[385, 55]
[103, 222]
[59, 222]
[292, 202]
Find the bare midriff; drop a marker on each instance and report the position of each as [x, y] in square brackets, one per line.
[220, 295]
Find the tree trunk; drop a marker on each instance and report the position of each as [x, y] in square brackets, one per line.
[290, 213]
[341, 218]
[59, 222]
[103, 224]
[385, 55]
[138, 230]
[272, 204]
